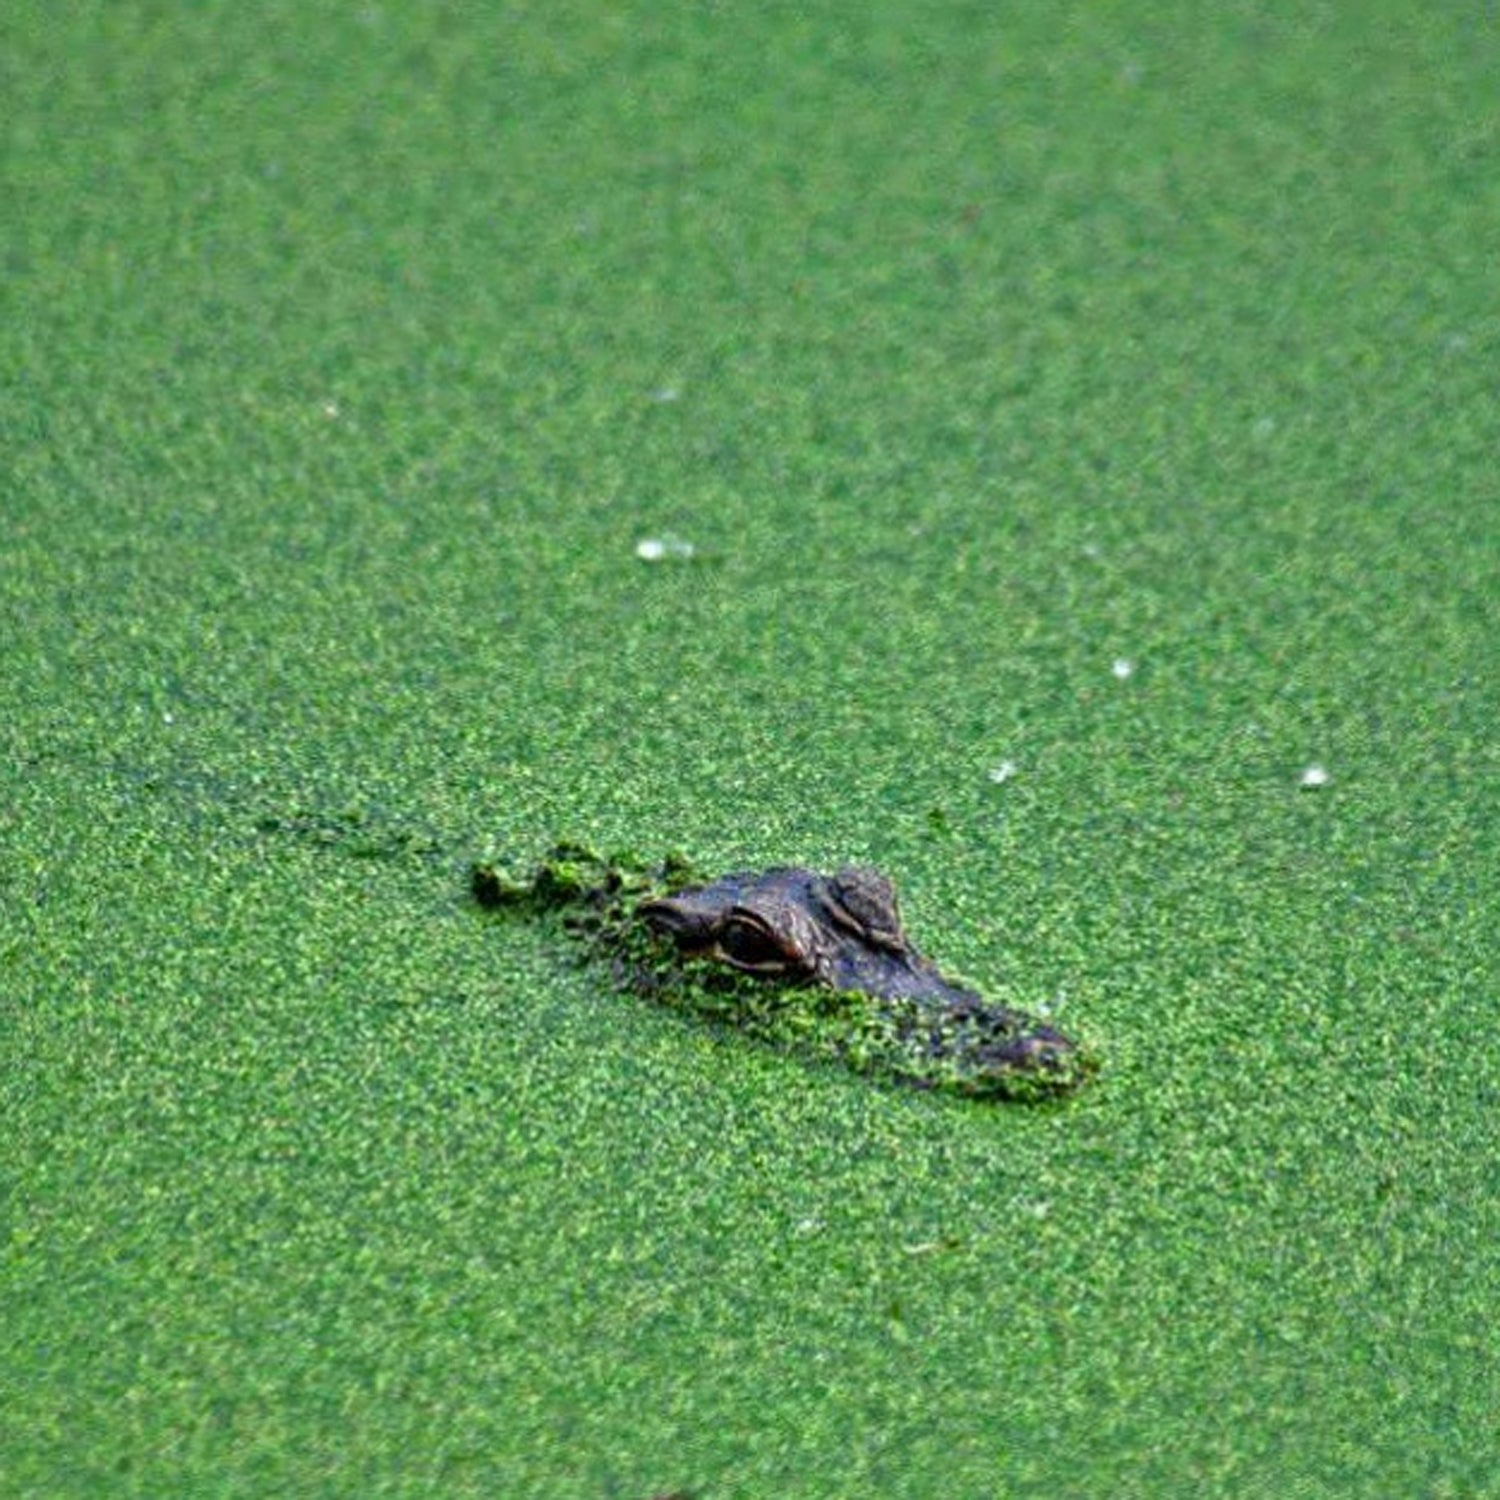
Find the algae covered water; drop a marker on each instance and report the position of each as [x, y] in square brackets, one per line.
[1045, 455]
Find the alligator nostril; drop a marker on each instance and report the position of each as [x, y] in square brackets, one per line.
[1038, 1051]
[1048, 1051]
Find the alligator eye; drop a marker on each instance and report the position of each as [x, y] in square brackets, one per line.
[749, 946]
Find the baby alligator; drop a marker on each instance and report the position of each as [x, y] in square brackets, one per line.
[820, 963]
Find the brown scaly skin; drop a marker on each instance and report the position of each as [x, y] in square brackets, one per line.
[819, 963]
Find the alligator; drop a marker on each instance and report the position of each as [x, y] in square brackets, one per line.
[820, 964]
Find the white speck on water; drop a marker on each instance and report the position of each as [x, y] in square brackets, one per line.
[166, 717]
[1122, 667]
[1003, 772]
[660, 548]
[1314, 776]
[330, 409]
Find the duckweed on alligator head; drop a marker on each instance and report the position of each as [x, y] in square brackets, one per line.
[817, 964]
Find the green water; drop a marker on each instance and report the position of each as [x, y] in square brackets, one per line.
[1070, 433]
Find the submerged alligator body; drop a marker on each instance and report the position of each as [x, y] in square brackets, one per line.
[818, 963]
